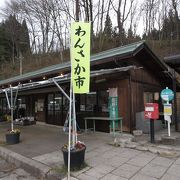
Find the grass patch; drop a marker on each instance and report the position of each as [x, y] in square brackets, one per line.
[84, 165]
[63, 169]
[60, 170]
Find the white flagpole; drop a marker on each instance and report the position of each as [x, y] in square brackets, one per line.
[74, 118]
[169, 131]
[73, 123]
[169, 128]
[69, 146]
[12, 126]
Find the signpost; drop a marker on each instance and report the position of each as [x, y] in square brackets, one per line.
[152, 113]
[168, 109]
[113, 106]
[113, 110]
[167, 95]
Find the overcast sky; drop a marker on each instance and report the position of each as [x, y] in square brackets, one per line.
[139, 29]
[2, 3]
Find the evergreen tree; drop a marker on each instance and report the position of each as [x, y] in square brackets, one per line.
[24, 43]
[108, 27]
[130, 34]
[14, 38]
[12, 27]
[169, 28]
[5, 44]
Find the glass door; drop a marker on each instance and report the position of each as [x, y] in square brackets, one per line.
[54, 109]
[50, 109]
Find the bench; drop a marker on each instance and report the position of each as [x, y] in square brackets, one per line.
[103, 119]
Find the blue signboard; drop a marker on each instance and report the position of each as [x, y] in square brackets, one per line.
[167, 94]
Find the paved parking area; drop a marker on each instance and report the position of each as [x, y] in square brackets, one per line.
[129, 164]
[43, 143]
[114, 163]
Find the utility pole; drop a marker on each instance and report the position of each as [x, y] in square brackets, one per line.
[20, 62]
[171, 41]
[77, 10]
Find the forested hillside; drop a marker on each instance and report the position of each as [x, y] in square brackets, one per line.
[35, 33]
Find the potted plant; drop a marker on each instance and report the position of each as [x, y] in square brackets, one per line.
[77, 153]
[13, 136]
[6, 117]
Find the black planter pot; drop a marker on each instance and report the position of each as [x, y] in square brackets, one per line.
[12, 138]
[77, 157]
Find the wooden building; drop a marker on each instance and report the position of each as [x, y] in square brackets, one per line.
[140, 80]
[173, 61]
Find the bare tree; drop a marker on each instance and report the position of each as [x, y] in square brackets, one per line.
[49, 20]
[134, 18]
[12, 8]
[152, 14]
[175, 8]
[122, 10]
[102, 37]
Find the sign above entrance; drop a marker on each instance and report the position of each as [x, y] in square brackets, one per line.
[167, 94]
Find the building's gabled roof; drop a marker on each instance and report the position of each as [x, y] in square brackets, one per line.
[126, 51]
[173, 61]
[63, 79]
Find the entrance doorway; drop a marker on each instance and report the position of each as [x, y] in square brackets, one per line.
[57, 108]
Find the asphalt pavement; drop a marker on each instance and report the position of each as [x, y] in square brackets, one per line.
[39, 155]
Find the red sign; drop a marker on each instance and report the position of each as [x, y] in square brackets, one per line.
[151, 111]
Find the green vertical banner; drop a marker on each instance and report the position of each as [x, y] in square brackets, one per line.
[113, 109]
[80, 56]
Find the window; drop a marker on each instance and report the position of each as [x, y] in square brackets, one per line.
[50, 102]
[22, 102]
[54, 102]
[94, 101]
[103, 100]
[156, 96]
[5, 106]
[148, 97]
[90, 101]
[83, 102]
[58, 102]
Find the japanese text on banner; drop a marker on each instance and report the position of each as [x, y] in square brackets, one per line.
[80, 56]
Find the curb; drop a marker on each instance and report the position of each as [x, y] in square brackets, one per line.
[33, 167]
